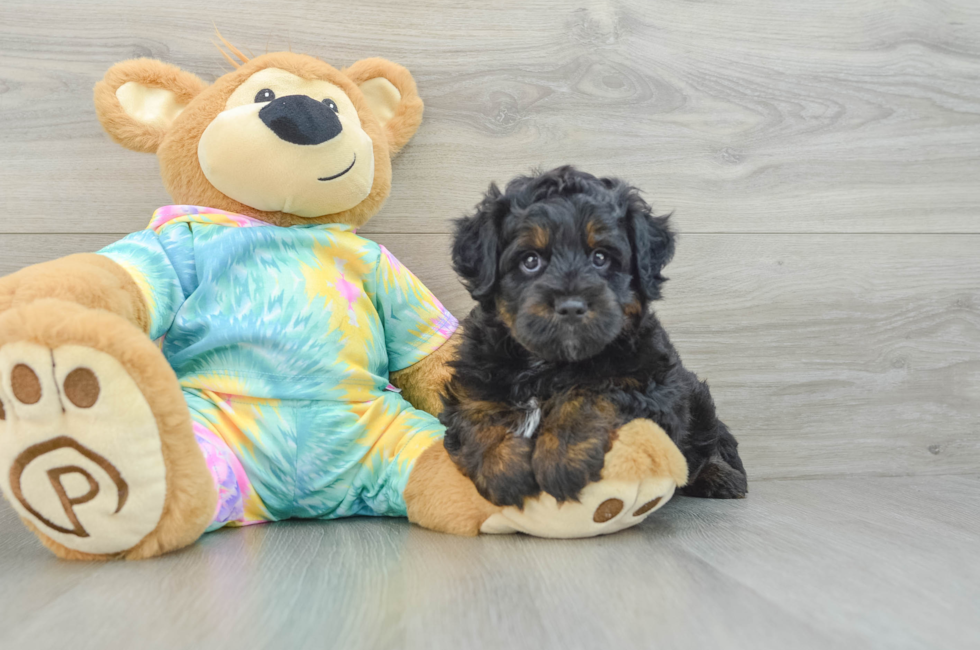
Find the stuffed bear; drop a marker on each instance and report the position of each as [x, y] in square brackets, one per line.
[248, 357]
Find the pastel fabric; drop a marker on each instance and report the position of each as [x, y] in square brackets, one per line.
[283, 340]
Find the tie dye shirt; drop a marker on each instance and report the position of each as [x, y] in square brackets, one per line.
[307, 321]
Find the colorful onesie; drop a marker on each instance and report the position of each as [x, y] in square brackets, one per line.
[283, 340]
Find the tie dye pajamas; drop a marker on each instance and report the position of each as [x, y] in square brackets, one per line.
[283, 340]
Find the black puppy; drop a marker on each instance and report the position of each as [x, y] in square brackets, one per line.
[562, 349]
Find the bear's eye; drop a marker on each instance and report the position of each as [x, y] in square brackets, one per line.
[600, 259]
[531, 262]
[264, 95]
[332, 104]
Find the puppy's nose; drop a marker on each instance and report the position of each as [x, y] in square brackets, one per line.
[301, 120]
[571, 307]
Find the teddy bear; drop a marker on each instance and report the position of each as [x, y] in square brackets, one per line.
[248, 357]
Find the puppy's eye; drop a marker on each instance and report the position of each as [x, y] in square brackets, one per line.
[531, 262]
[600, 259]
[264, 95]
[331, 104]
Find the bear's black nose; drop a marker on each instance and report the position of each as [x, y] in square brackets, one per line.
[301, 120]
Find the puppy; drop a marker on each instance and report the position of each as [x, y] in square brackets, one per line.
[562, 348]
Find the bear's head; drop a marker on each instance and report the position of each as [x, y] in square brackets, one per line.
[284, 138]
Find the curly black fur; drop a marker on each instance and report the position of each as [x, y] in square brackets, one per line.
[590, 369]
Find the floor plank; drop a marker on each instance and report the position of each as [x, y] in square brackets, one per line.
[829, 116]
[873, 562]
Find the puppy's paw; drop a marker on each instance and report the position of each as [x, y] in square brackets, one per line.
[504, 476]
[562, 468]
[640, 473]
[718, 480]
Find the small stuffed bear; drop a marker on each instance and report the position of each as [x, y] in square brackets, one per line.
[248, 357]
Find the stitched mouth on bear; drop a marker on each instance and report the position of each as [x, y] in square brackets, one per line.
[349, 167]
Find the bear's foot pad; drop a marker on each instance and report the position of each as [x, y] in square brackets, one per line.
[80, 451]
[604, 507]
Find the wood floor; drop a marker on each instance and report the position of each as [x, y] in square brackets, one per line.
[818, 563]
[822, 161]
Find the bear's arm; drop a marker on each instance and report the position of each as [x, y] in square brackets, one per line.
[422, 383]
[86, 279]
[148, 260]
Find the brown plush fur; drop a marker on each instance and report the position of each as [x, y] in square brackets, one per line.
[86, 279]
[177, 150]
[91, 301]
[406, 120]
[437, 495]
[147, 72]
[642, 449]
[423, 384]
[440, 498]
[191, 497]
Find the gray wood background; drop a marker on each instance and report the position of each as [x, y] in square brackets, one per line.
[822, 160]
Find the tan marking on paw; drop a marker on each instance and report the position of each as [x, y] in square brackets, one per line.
[82, 388]
[607, 510]
[647, 507]
[25, 384]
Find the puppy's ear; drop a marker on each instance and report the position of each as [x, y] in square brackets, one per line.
[476, 246]
[652, 241]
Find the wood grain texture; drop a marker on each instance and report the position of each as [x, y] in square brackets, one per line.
[780, 133]
[827, 355]
[845, 563]
[824, 116]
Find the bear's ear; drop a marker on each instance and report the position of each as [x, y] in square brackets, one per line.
[392, 96]
[138, 100]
